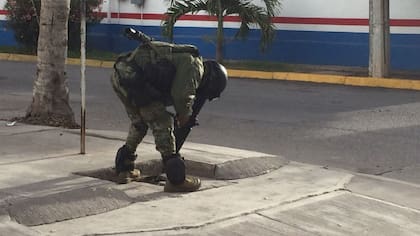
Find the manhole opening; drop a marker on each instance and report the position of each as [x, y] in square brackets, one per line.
[151, 172]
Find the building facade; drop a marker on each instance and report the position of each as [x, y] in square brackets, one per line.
[318, 32]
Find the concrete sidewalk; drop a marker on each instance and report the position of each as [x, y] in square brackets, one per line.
[47, 188]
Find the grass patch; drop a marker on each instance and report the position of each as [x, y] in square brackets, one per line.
[16, 50]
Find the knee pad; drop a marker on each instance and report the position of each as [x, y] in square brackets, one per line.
[175, 169]
[124, 161]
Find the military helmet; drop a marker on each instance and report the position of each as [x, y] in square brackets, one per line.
[214, 79]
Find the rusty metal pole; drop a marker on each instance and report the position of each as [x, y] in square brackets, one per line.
[83, 76]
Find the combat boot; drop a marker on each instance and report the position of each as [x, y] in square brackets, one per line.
[126, 177]
[190, 184]
[124, 166]
[177, 180]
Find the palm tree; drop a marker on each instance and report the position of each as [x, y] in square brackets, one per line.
[50, 101]
[248, 12]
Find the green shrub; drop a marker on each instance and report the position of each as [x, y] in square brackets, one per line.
[22, 19]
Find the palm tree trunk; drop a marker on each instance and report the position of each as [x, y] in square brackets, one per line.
[50, 102]
[220, 36]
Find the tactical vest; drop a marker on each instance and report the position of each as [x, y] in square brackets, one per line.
[147, 73]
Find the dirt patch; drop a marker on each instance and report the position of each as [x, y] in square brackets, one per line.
[53, 120]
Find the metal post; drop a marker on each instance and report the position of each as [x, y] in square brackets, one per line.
[83, 76]
[379, 38]
[387, 38]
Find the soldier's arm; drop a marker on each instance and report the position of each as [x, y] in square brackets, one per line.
[185, 84]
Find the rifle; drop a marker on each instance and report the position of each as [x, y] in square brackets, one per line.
[132, 33]
[181, 133]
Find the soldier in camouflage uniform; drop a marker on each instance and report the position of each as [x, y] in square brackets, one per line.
[169, 75]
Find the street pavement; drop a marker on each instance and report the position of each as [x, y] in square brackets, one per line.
[48, 188]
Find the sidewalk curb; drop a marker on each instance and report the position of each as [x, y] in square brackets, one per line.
[392, 83]
[329, 79]
[241, 168]
[72, 192]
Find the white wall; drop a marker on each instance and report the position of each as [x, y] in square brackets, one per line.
[326, 8]
[355, 9]
[2, 3]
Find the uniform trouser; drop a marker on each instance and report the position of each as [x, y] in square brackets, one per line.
[160, 121]
[153, 116]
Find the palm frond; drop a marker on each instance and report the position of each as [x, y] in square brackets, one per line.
[178, 9]
[212, 7]
[253, 14]
[231, 6]
[272, 6]
[248, 12]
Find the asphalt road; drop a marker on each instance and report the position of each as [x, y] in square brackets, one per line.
[368, 130]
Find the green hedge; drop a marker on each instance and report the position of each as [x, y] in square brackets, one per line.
[22, 19]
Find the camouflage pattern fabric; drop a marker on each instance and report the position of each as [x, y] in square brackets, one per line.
[189, 69]
[153, 116]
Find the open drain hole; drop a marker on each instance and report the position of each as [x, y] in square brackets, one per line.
[150, 173]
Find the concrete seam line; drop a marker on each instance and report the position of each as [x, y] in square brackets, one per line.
[183, 227]
[385, 202]
[283, 222]
[306, 199]
[229, 217]
[384, 178]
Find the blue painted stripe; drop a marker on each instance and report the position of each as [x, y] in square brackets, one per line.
[405, 51]
[297, 47]
[7, 37]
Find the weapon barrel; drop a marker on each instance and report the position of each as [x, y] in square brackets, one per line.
[137, 35]
[181, 133]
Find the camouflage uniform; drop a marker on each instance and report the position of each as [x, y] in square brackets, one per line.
[189, 71]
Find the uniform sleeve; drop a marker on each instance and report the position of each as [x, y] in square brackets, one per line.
[188, 77]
